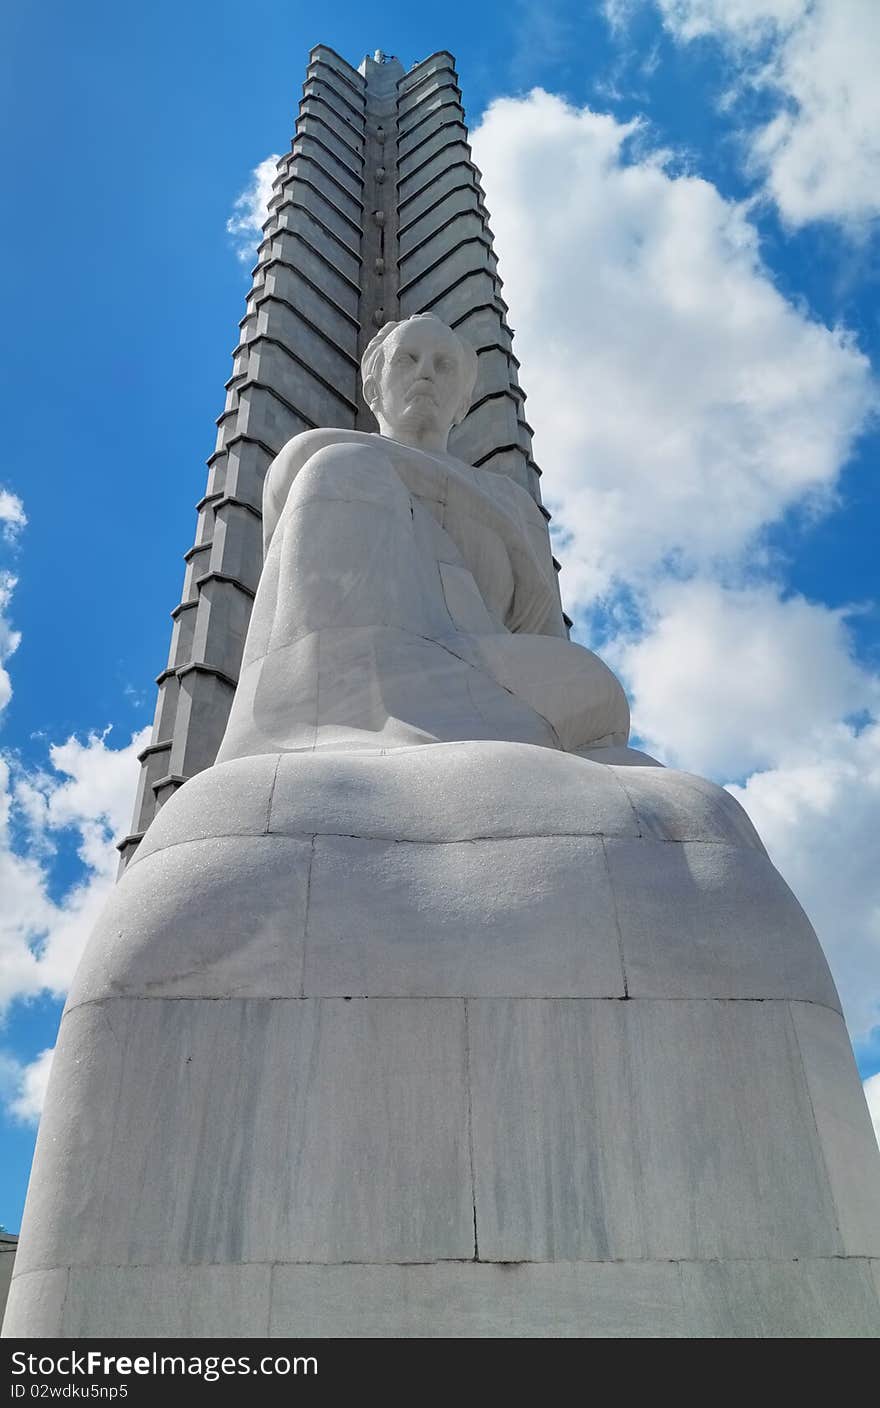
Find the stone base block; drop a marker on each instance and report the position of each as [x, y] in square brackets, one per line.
[812, 1299]
[383, 1065]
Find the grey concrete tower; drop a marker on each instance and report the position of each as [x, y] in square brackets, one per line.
[378, 213]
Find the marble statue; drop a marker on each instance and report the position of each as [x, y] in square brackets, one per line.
[406, 597]
[433, 1008]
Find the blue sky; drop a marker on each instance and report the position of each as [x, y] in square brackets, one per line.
[686, 219]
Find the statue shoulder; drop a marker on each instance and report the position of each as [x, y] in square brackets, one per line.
[287, 464]
[300, 447]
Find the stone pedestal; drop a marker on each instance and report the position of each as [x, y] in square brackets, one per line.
[470, 1039]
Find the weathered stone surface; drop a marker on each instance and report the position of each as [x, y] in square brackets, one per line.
[827, 1299]
[729, 1155]
[616, 756]
[706, 919]
[36, 1305]
[619, 1130]
[226, 946]
[566, 1300]
[848, 1144]
[167, 1302]
[807, 1299]
[677, 806]
[530, 917]
[555, 1167]
[254, 1130]
[465, 791]
[67, 1191]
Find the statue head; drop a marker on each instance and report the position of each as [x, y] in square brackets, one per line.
[418, 378]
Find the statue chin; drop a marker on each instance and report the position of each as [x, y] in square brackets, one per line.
[422, 427]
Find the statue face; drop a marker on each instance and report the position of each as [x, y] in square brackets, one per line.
[421, 383]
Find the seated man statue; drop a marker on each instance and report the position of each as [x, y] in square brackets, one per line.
[407, 597]
[433, 1009]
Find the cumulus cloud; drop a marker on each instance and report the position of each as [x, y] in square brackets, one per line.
[726, 681]
[681, 402]
[819, 155]
[9, 639]
[12, 515]
[748, 21]
[872, 1095]
[250, 209]
[86, 792]
[818, 820]
[26, 1086]
[12, 520]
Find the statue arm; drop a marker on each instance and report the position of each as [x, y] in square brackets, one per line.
[477, 495]
[537, 609]
[284, 469]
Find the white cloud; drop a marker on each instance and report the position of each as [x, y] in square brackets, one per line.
[748, 21]
[250, 209]
[681, 402]
[726, 681]
[818, 819]
[12, 520]
[12, 515]
[872, 1095]
[9, 639]
[89, 792]
[819, 155]
[85, 791]
[26, 1086]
